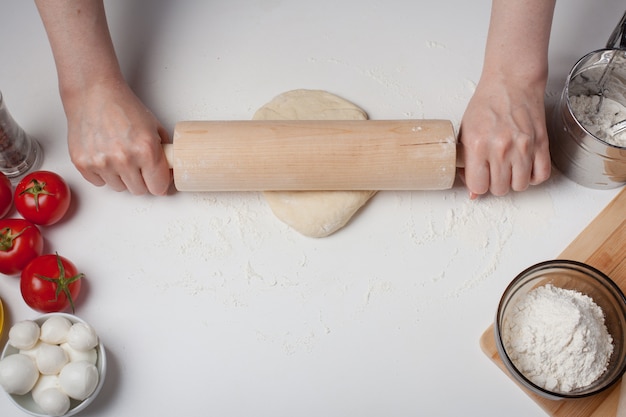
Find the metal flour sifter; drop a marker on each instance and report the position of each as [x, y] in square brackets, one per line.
[588, 126]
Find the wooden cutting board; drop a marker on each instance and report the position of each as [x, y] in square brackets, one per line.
[601, 244]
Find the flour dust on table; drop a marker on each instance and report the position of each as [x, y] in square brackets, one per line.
[313, 213]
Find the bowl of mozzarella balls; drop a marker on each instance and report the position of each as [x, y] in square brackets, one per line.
[52, 366]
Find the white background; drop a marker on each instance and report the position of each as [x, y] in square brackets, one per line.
[208, 305]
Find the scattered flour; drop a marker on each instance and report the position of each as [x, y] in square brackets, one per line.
[458, 224]
[557, 338]
[599, 121]
[435, 44]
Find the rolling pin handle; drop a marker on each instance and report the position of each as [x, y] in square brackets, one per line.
[168, 150]
[460, 156]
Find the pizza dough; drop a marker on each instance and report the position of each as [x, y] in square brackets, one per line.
[313, 213]
[309, 105]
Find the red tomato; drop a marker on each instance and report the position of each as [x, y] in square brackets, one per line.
[50, 283]
[42, 197]
[6, 195]
[20, 242]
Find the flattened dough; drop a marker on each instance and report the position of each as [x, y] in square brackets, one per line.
[316, 213]
[313, 213]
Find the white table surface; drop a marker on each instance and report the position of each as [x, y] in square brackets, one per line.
[208, 305]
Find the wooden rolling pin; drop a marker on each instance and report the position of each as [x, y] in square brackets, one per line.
[313, 155]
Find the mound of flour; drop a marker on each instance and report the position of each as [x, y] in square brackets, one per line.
[557, 338]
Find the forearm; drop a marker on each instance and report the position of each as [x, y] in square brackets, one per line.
[80, 42]
[517, 42]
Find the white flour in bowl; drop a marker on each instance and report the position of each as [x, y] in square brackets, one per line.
[557, 338]
[598, 121]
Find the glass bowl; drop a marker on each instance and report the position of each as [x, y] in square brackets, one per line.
[577, 276]
[27, 404]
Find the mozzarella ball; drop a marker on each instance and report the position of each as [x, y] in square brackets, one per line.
[90, 355]
[24, 334]
[43, 383]
[54, 330]
[18, 374]
[79, 379]
[82, 336]
[51, 359]
[53, 402]
[32, 352]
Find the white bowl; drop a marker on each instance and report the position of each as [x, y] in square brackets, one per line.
[26, 402]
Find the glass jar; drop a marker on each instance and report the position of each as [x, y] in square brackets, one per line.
[19, 153]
